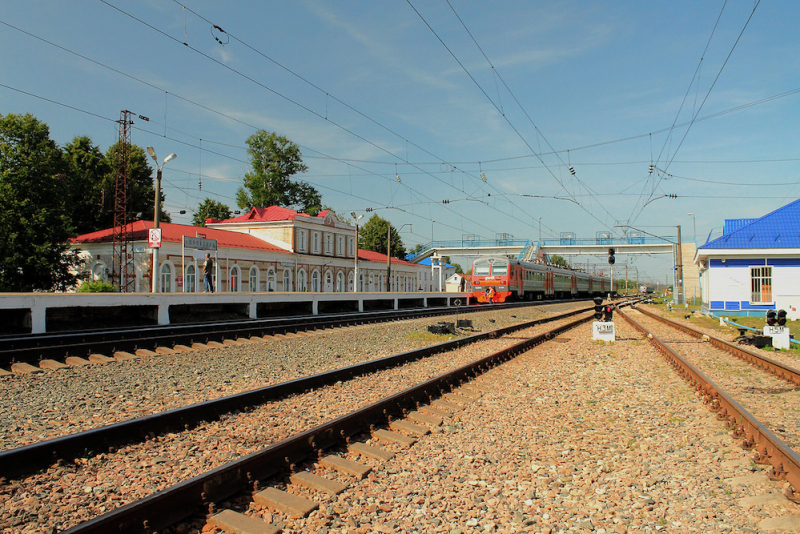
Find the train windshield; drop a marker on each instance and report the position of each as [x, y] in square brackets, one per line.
[481, 269]
[500, 270]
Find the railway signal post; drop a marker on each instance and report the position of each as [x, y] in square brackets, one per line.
[776, 329]
[603, 325]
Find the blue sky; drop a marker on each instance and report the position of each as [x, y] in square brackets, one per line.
[373, 91]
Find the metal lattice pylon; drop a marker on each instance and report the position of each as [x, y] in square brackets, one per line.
[122, 265]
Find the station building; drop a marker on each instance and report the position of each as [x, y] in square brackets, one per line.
[754, 267]
[266, 249]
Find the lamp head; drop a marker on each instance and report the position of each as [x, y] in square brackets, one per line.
[170, 157]
[152, 153]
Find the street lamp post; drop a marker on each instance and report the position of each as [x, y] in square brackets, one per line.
[157, 216]
[355, 253]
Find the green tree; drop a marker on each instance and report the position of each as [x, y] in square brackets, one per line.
[275, 160]
[141, 186]
[210, 209]
[373, 235]
[559, 261]
[34, 227]
[454, 264]
[87, 169]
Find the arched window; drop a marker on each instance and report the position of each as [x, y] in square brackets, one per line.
[328, 282]
[301, 280]
[254, 279]
[315, 281]
[350, 282]
[166, 278]
[380, 282]
[190, 283]
[371, 282]
[234, 280]
[361, 282]
[405, 283]
[287, 280]
[99, 272]
[340, 282]
[271, 283]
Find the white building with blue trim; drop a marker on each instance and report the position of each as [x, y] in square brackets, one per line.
[754, 267]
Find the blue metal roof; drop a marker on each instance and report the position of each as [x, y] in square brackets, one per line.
[779, 229]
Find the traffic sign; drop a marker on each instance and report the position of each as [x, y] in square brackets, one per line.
[154, 238]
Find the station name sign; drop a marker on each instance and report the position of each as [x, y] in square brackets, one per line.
[199, 243]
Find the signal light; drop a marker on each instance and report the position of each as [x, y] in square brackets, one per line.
[611, 259]
[598, 308]
[772, 318]
[608, 311]
[781, 317]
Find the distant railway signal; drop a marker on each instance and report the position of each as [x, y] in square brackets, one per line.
[781, 318]
[772, 318]
[611, 259]
[598, 308]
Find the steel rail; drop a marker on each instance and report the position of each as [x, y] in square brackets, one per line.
[774, 367]
[34, 347]
[30, 458]
[171, 505]
[769, 448]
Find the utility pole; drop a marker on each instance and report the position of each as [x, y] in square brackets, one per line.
[680, 294]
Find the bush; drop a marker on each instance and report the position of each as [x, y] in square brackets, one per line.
[97, 287]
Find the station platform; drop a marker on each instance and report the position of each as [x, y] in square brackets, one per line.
[38, 313]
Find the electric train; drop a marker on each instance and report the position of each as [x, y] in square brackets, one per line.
[510, 279]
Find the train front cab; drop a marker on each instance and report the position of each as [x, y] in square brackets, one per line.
[492, 273]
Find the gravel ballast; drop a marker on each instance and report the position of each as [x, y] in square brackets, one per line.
[575, 437]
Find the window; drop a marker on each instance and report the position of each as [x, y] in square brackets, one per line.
[234, 280]
[287, 280]
[340, 282]
[350, 242]
[328, 282]
[361, 282]
[371, 282]
[761, 284]
[301, 240]
[271, 280]
[499, 270]
[301, 280]
[328, 244]
[190, 284]
[166, 278]
[254, 279]
[340, 246]
[315, 281]
[316, 243]
[350, 282]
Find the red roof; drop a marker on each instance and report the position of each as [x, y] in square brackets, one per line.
[369, 255]
[272, 213]
[173, 233]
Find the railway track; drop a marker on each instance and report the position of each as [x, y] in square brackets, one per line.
[29, 353]
[754, 394]
[316, 439]
[22, 460]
